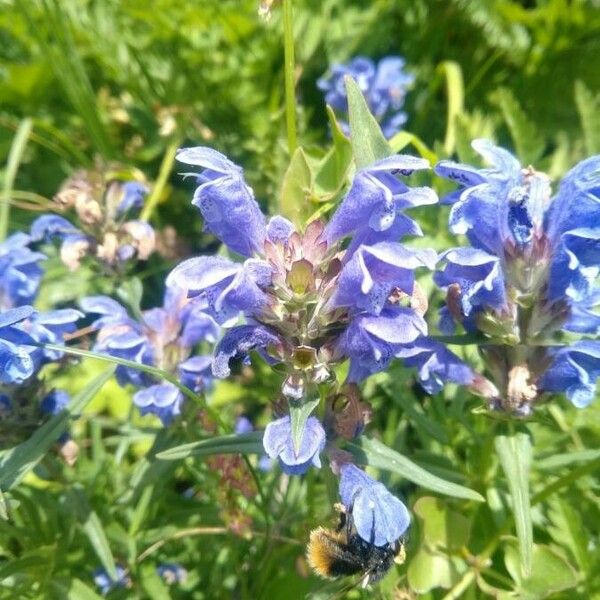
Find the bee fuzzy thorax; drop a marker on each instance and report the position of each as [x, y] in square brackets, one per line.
[332, 554]
[320, 552]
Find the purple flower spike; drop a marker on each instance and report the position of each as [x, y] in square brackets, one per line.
[163, 400]
[227, 204]
[379, 517]
[277, 442]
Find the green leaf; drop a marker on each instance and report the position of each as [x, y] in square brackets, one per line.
[299, 413]
[514, 452]
[244, 443]
[130, 293]
[296, 187]
[73, 589]
[374, 453]
[368, 143]
[455, 91]
[588, 107]
[92, 527]
[429, 570]
[331, 173]
[529, 143]
[557, 461]
[441, 526]
[152, 583]
[567, 530]
[18, 461]
[550, 573]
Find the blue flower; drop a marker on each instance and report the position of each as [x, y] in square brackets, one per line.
[372, 341]
[574, 371]
[55, 402]
[134, 193]
[20, 271]
[163, 400]
[51, 327]
[373, 207]
[17, 354]
[196, 372]
[104, 581]
[277, 442]
[172, 573]
[477, 277]
[228, 288]
[164, 337]
[435, 365]
[384, 87]
[226, 202]
[239, 341]
[379, 517]
[243, 425]
[373, 272]
[582, 316]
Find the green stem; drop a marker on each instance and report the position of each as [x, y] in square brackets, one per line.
[163, 176]
[290, 95]
[14, 159]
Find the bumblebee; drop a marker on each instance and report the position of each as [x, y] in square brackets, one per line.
[342, 552]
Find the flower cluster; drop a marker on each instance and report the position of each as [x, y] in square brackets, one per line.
[529, 274]
[310, 303]
[384, 86]
[22, 331]
[103, 203]
[162, 337]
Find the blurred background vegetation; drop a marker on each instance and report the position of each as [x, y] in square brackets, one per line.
[131, 81]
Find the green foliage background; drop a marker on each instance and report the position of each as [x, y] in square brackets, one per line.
[132, 80]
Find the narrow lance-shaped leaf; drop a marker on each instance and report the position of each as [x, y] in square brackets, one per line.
[18, 461]
[92, 527]
[243, 443]
[514, 452]
[376, 454]
[368, 142]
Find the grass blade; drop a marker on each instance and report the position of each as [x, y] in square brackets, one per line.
[14, 159]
